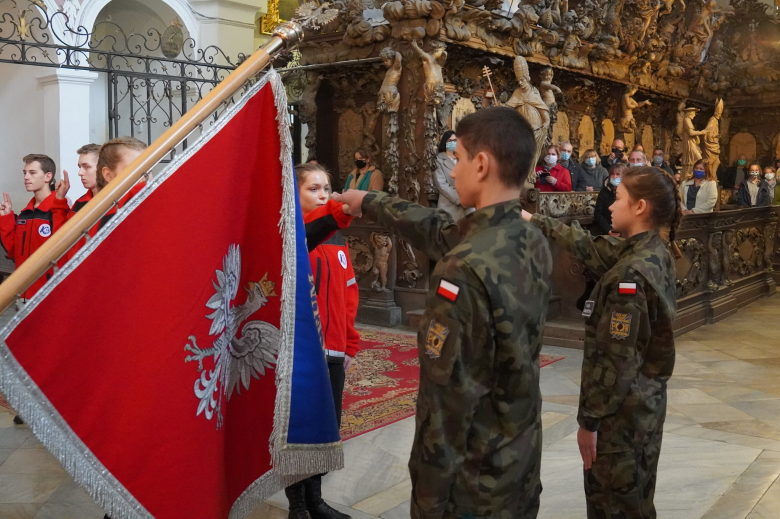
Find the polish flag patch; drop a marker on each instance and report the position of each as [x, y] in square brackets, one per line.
[627, 288]
[447, 290]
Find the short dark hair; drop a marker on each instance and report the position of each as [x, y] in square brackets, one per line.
[506, 135]
[47, 165]
[659, 149]
[88, 148]
[444, 138]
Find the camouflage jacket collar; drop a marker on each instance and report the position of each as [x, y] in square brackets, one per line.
[489, 216]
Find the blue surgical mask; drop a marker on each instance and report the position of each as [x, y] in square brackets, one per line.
[658, 160]
[590, 161]
[551, 159]
[698, 173]
[451, 145]
[565, 155]
[615, 181]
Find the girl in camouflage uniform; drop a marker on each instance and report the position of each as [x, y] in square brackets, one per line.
[629, 342]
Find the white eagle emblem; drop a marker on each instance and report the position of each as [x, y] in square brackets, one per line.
[234, 357]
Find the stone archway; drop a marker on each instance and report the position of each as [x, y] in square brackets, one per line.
[742, 144]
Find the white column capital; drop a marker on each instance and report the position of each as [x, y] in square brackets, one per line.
[63, 76]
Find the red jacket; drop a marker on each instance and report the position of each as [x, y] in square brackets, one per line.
[562, 176]
[24, 234]
[334, 281]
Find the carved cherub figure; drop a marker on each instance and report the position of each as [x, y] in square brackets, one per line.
[389, 98]
[432, 63]
[546, 89]
[628, 104]
[382, 247]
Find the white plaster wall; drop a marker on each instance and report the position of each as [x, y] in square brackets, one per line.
[98, 110]
[21, 126]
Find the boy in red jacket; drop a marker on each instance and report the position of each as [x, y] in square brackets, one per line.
[24, 234]
[337, 299]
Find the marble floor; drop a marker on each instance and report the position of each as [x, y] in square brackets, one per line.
[720, 458]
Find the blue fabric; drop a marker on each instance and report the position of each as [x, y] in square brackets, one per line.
[312, 418]
[690, 201]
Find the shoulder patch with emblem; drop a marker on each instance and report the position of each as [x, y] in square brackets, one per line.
[342, 259]
[437, 334]
[620, 325]
[448, 290]
[627, 288]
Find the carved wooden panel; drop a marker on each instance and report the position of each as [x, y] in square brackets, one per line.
[586, 134]
[630, 139]
[647, 140]
[561, 129]
[350, 139]
[462, 108]
[742, 143]
[607, 136]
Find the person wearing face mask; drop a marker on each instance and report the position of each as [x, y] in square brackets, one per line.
[593, 174]
[365, 176]
[753, 191]
[771, 182]
[602, 216]
[637, 159]
[617, 154]
[448, 198]
[660, 163]
[700, 192]
[569, 162]
[551, 176]
[733, 176]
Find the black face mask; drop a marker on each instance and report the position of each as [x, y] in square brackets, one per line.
[360, 164]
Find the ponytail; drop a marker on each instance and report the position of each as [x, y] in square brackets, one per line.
[660, 190]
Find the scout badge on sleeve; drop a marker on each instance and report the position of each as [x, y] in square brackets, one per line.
[620, 327]
[587, 310]
[448, 290]
[437, 334]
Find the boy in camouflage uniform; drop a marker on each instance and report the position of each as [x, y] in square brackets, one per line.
[478, 438]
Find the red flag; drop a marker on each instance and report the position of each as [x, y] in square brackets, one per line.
[148, 364]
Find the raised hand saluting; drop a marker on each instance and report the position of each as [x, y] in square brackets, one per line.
[5, 206]
[63, 186]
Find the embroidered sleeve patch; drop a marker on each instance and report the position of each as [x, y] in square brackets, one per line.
[620, 326]
[448, 290]
[627, 288]
[437, 334]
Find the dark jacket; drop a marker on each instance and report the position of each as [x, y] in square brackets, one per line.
[605, 163]
[743, 194]
[591, 177]
[602, 217]
[575, 170]
[665, 167]
[728, 178]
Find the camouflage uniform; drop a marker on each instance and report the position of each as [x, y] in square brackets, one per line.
[628, 359]
[478, 438]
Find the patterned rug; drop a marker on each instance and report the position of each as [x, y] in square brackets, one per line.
[381, 388]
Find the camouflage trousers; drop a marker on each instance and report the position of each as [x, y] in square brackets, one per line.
[621, 485]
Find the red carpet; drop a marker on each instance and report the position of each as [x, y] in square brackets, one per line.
[381, 388]
[4, 403]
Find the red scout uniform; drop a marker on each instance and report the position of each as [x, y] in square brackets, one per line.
[337, 290]
[24, 234]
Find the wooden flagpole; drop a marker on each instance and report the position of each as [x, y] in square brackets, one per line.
[285, 36]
